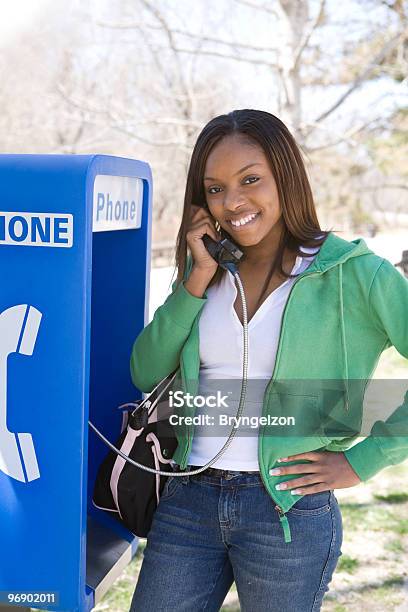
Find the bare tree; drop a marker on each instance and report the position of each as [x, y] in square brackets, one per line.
[140, 79]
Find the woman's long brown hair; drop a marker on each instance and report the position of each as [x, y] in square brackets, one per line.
[301, 225]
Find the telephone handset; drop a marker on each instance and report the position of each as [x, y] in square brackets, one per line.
[225, 252]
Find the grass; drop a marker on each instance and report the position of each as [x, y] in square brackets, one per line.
[395, 546]
[400, 527]
[347, 564]
[392, 498]
[387, 591]
[372, 517]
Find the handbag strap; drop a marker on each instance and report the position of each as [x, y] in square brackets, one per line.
[154, 396]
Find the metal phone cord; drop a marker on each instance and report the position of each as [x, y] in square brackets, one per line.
[239, 411]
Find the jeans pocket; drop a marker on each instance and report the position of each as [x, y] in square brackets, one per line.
[314, 504]
[170, 487]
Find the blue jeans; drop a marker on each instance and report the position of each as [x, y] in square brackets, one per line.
[209, 531]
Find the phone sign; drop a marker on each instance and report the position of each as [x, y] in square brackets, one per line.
[117, 203]
[36, 229]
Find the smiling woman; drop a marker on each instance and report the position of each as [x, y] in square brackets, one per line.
[320, 311]
[247, 171]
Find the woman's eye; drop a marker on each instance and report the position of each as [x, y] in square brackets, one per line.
[253, 179]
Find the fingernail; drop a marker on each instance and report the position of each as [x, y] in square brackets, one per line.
[295, 492]
[283, 459]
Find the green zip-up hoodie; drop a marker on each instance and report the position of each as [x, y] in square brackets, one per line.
[342, 312]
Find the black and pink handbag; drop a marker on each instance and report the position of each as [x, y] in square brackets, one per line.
[131, 494]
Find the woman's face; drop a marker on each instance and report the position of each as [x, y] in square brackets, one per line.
[235, 191]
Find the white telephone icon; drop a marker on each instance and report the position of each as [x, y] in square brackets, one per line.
[18, 333]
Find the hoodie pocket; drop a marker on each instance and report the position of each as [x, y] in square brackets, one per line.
[337, 421]
[298, 416]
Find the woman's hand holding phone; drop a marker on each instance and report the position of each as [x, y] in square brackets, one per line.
[204, 266]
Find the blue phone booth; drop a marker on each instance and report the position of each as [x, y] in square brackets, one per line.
[75, 234]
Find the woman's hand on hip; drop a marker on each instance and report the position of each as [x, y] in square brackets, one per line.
[326, 470]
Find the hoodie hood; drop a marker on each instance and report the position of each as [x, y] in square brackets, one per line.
[336, 251]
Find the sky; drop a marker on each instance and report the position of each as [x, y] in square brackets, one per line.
[17, 16]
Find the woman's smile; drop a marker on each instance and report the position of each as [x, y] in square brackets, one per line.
[239, 227]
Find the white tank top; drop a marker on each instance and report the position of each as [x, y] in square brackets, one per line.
[221, 359]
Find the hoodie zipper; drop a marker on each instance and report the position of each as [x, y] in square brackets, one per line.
[285, 524]
[282, 516]
[278, 353]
